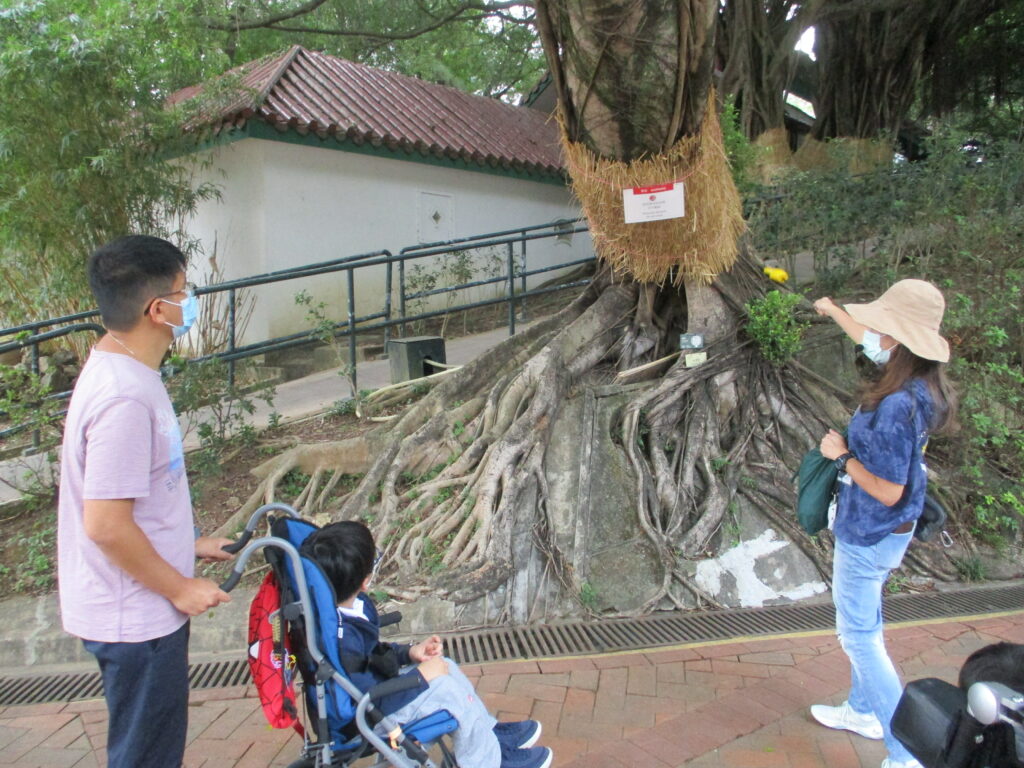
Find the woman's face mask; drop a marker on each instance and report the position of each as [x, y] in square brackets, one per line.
[872, 344]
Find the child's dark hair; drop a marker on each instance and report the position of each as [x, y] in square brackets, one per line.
[345, 551]
[128, 273]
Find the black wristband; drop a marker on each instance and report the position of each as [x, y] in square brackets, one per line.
[841, 461]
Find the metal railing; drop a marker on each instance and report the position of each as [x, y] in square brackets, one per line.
[381, 320]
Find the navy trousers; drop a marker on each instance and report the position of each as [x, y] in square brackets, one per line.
[146, 687]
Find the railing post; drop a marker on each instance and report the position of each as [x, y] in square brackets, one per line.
[511, 290]
[522, 274]
[401, 296]
[352, 330]
[231, 337]
[36, 435]
[387, 303]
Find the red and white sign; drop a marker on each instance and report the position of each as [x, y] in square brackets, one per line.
[662, 201]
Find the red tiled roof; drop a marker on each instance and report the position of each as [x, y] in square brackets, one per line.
[311, 92]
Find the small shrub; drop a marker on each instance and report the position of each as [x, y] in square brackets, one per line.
[773, 326]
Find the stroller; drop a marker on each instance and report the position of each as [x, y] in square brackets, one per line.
[344, 723]
[943, 727]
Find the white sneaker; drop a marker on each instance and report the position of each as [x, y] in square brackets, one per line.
[890, 763]
[844, 718]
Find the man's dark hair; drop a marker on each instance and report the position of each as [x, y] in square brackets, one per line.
[128, 273]
[345, 551]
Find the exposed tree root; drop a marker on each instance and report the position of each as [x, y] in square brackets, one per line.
[457, 485]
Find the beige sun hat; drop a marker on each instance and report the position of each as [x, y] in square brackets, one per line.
[911, 312]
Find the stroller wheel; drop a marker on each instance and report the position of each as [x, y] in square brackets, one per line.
[303, 762]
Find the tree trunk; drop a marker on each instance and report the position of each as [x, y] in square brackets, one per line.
[756, 45]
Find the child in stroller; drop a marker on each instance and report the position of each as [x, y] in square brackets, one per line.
[359, 698]
[346, 553]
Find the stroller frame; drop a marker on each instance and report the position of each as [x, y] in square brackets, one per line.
[400, 750]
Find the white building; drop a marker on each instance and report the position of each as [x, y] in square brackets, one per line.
[318, 158]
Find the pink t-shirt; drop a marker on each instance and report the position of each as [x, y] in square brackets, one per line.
[121, 441]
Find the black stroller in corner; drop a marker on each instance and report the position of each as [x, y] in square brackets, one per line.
[344, 723]
[945, 727]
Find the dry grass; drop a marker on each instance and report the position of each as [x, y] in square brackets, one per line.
[698, 246]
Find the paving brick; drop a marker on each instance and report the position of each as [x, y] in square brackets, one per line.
[660, 749]
[611, 690]
[492, 684]
[749, 758]
[524, 685]
[675, 654]
[728, 667]
[219, 749]
[739, 705]
[642, 681]
[87, 705]
[636, 711]
[216, 694]
[626, 753]
[587, 679]
[546, 712]
[840, 754]
[674, 673]
[510, 668]
[624, 660]
[723, 650]
[496, 702]
[31, 710]
[566, 665]
[772, 698]
[578, 703]
[578, 728]
[770, 658]
[65, 736]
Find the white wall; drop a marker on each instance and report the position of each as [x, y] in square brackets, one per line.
[284, 205]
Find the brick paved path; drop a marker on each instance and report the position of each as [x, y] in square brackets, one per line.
[739, 704]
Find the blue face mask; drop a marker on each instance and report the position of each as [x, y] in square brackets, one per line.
[189, 313]
[872, 348]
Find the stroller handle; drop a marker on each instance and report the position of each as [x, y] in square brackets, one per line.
[250, 528]
[238, 569]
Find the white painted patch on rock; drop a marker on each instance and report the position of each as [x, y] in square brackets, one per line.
[741, 563]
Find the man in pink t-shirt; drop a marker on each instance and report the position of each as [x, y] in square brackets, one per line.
[126, 541]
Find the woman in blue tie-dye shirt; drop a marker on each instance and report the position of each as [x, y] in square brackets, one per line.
[882, 487]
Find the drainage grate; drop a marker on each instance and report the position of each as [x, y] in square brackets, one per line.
[571, 638]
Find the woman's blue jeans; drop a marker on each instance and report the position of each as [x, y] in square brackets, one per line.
[858, 576]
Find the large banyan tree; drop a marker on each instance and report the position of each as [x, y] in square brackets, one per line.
[587, 443]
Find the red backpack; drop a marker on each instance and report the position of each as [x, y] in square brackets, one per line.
[270, 658]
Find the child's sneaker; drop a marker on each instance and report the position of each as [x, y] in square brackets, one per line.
[534, 757]
[844, 718]
[890, 763]
[521, 734]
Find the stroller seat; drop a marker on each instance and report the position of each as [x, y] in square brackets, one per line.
[345, 724]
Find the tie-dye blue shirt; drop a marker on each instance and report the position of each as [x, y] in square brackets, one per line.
[888, 442]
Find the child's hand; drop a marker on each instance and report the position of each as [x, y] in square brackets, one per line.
[433, 667]
[428, 649]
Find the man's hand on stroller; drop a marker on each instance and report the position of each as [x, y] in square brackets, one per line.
[210, 548]
[428, 649]
[433, 667]
[198, 595]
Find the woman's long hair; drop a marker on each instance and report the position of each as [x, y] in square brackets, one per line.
[903, 366]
